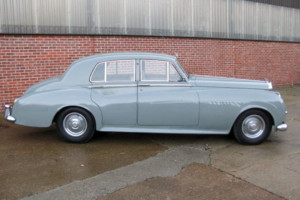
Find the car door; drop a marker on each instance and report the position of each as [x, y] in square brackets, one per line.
[114, 90]
[164, 98]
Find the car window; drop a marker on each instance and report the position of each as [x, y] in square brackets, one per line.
[98, 74]
[118, 70]
[174, 75]
[158, 70]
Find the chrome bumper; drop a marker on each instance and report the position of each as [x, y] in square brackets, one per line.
[7, 114]
[282, 127]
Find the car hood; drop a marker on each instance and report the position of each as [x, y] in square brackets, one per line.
[212, 81]
[43, 85]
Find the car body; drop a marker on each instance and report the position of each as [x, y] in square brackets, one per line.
[148, 93]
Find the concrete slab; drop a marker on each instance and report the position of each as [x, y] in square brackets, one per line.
[197, 182]
[166, 164]
[36, 160]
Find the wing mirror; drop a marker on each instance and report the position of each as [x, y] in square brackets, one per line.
[182, 80]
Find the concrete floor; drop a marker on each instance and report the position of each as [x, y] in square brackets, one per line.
[36, 164]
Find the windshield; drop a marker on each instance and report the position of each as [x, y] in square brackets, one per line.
[182, 68]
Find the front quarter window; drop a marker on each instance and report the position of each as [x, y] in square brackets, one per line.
[182, 69]
[174, 75]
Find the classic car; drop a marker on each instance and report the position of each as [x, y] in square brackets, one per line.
[148, 93]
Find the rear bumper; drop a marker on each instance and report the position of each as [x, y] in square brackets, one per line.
[282, 127]
[7, 114]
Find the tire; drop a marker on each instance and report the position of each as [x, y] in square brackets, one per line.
[252, 127]
[75, 125]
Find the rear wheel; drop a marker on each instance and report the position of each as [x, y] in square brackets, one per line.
[75, 125]
[252, 127]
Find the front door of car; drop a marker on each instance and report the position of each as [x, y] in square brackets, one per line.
[164, 99]
[114, 90]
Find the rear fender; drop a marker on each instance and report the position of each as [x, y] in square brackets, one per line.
[40, 109]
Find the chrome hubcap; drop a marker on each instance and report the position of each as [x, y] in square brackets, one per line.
[253, 126]
[75, 124]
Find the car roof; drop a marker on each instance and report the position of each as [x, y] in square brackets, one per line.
[129, 55]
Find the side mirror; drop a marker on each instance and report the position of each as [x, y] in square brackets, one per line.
[182, 80]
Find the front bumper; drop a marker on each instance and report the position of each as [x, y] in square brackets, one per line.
[282, 127]
[7, 114]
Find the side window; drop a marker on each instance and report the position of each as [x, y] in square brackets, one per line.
[154, 70]
[157, 70]
[118, 70]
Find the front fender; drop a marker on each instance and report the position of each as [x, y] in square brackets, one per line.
[39, 109]
[275, 109]
[219, 107]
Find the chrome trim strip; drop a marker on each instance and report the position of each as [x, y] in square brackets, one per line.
[105, 71]
[282, 127]
[112, 86]
[168, 71]
[165, 85]
[7, 114]
[134, 69]
[141, 85]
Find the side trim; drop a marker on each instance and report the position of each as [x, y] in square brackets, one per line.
[164, 85]
[112, 86]
[162, 129]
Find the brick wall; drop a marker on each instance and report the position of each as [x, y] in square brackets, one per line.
[27, 59]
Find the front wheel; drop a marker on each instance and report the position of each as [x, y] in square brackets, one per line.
[252, 127]
[75, 125]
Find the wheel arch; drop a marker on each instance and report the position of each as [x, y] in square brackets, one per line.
[71, 106]
[260, 133]
[84, 127]
[255, 108]
[94, 112]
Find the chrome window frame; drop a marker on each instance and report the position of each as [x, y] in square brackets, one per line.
[105, 70]
[182, 70]
[179, 73]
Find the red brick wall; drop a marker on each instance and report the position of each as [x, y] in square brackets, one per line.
[25, 60]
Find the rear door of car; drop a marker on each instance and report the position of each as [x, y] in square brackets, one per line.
[114, 90]
[164, 98]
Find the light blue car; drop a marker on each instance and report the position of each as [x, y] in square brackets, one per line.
[148, 93]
